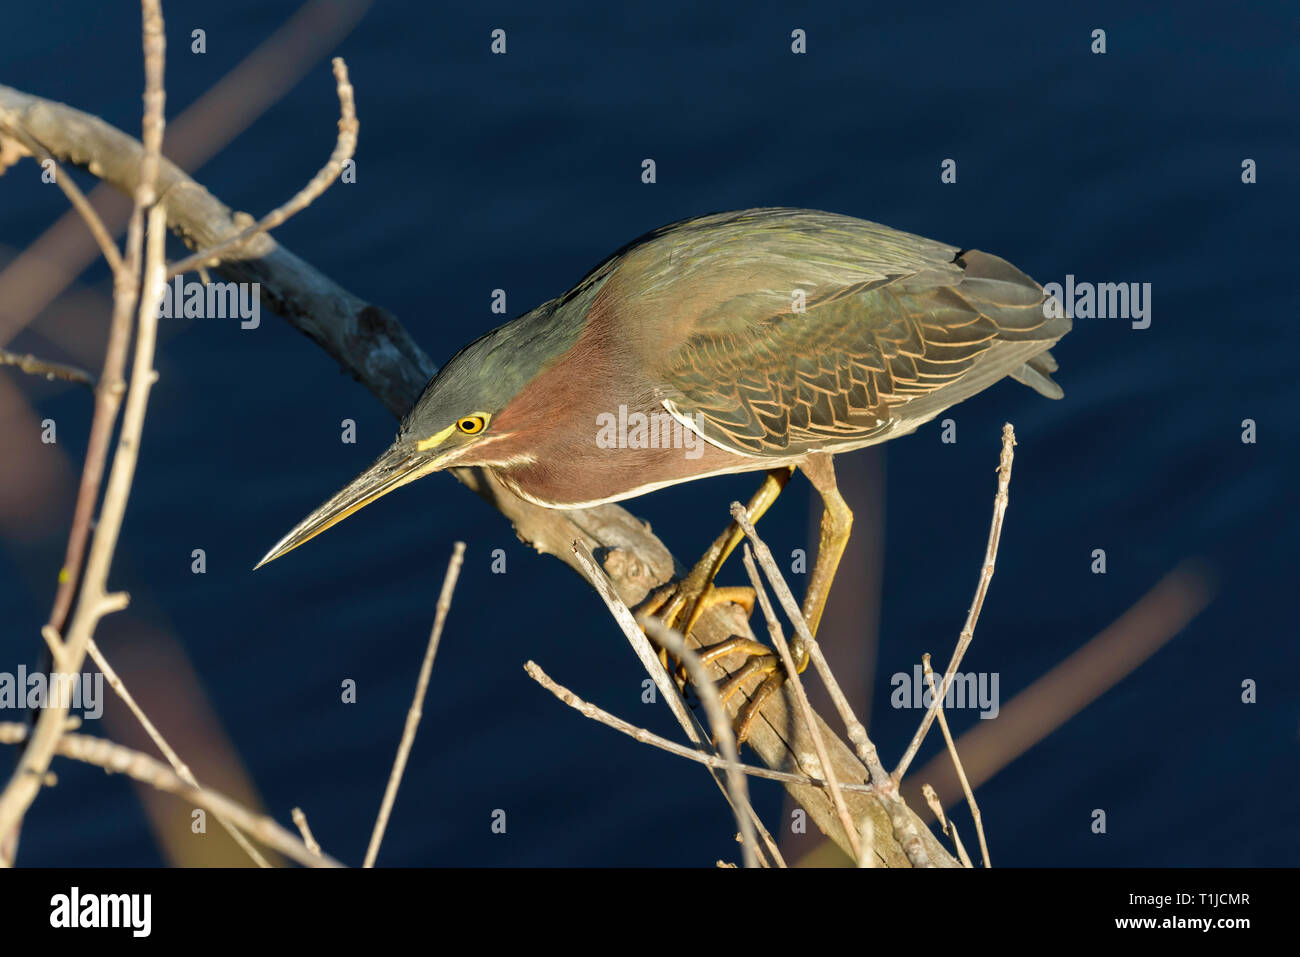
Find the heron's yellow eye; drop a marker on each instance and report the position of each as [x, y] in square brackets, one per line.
[472, 424]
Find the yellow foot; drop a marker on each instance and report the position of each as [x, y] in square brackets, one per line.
[679, 605]
[670, 605]
[762, 662]
[677, 608]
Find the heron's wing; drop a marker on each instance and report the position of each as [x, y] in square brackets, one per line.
[763, 373]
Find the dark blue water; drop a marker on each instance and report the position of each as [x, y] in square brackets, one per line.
[519, 172]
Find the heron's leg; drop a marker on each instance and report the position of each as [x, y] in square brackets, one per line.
[687, 600]
[837, 522]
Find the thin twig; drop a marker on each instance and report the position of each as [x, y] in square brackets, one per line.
[1072, 684]
[345, 145]
[300, 819]
[645, 736]
[956, 761]
[627, 623]
[75, 196]
[723, 734]
[22, 788]
[117, 759]
[738, 798]
[949, 827]
[886, 790]
[805, 707]
[109, 392]
[417, 702]
[180, 767]
[95, 601]
[43, 367]
[981, 589]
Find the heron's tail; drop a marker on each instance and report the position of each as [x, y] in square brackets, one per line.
[1036, 373]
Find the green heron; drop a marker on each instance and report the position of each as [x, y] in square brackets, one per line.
[759, 340]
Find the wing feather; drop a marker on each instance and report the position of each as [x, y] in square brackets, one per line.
[887, 319]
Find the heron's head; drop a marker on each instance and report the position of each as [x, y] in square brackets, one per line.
[453, 423]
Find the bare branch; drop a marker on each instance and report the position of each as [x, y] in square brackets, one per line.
[792, 675]
[949, 827]
[644, 736]
[723, 735]
[71, 190]
[736, 790]
[981, 589]
[180, 767]
[417, 703]
[50, 370]
[952, 750]
[300, 819]
[117, 759]
[904, 824]
[95, 601]
[344, 147]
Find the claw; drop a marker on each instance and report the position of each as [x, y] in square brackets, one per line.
[745, 720]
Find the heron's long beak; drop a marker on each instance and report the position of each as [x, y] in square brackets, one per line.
[395, 468]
